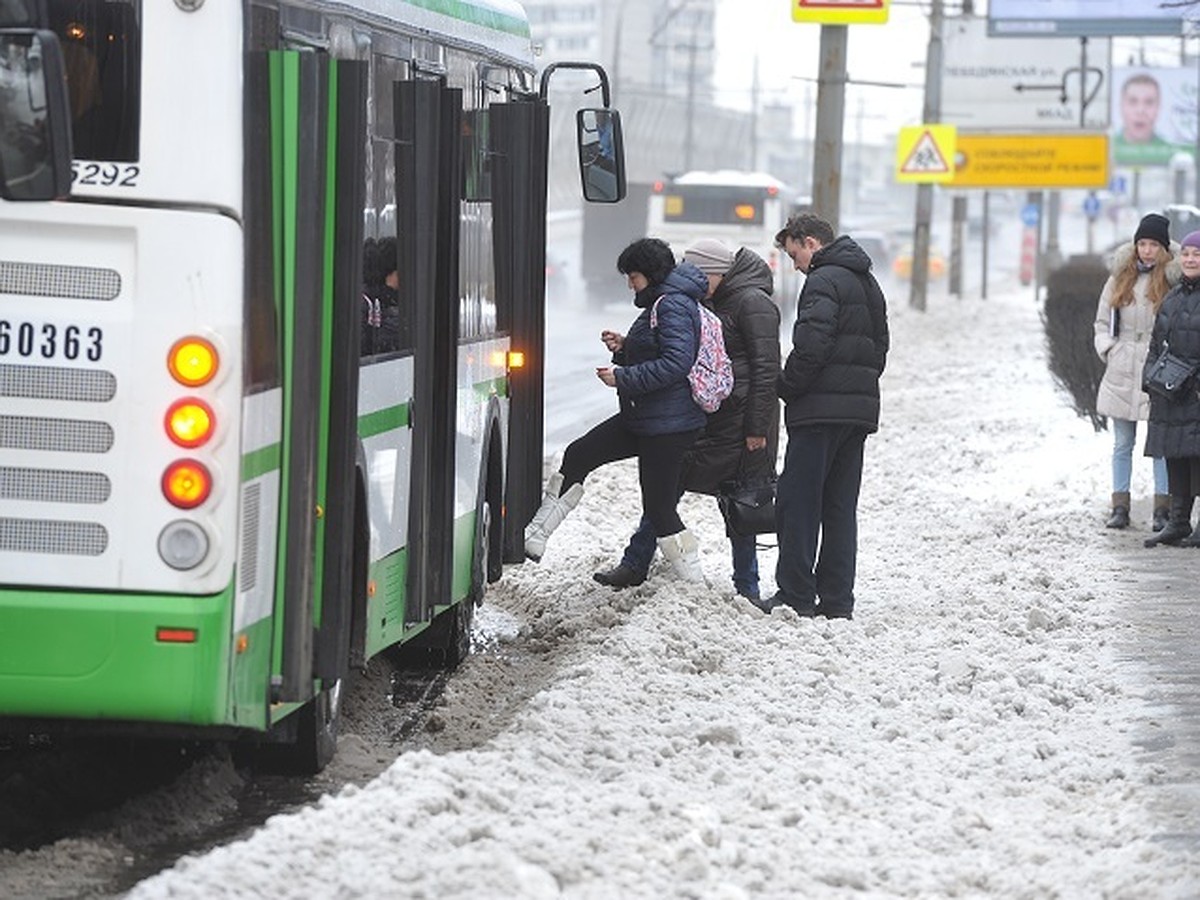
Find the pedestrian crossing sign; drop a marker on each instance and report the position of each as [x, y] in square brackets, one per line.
[925, 153]
[841, 12]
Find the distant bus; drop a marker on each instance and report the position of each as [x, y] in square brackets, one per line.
[742, 209]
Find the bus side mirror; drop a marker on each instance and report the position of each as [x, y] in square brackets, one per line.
[35, 131]
[601, 154]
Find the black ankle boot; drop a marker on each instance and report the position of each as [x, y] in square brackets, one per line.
[1120, 510]
[1179, 523]
[1119, 518]
[619, 576]
[1162, 505]
[1193, 539]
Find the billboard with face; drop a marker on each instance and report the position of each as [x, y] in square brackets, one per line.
[1153, 115]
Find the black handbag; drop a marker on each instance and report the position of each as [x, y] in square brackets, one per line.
[748, 504]
[1168, 375]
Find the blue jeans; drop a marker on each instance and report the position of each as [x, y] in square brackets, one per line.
[640, 551]
[1124, 437]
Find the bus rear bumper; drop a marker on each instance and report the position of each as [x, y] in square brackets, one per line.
[132, 657]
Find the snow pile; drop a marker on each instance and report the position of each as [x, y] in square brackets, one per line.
[969, 734]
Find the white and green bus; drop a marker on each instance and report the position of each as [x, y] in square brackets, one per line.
[216, 496]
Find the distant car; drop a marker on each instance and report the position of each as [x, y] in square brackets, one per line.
[902, 264]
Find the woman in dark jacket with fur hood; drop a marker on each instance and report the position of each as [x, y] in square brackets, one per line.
[744, 432]
[658, 420]
[1142, 273]
[1174, 431]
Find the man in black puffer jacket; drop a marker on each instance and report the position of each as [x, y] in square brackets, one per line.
[830, 390]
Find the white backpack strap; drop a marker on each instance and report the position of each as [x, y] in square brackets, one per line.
[654, 313]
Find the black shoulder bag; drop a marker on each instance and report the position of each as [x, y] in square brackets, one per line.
[1169, 374]
[748, 503]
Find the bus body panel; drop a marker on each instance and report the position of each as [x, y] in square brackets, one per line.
[497, 27]
[141, 280]
[258, 515]
[96, 656]
[385, 428]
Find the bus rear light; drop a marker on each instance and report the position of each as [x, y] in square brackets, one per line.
[176, 635]
[190, 422]
[182, 545]
[193, 361]
[186, 483]
[516, 359]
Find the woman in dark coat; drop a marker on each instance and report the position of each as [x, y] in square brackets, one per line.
[658, 420]
[1174, 431]
[747, 424]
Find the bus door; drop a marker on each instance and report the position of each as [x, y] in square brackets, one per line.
[317, 157]
[520, 148]
[428, 121]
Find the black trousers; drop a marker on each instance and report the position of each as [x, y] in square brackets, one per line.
[660, 465]
[1183, 476]
[816, 503]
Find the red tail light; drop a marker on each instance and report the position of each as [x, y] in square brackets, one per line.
[186, 483]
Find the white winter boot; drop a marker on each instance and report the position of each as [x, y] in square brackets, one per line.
[682, 551]
[550, 515]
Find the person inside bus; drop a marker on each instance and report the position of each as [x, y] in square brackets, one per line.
[658, 419]
[742, 437]
[380, 332]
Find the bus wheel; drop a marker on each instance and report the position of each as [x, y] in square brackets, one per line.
[304, 746]
[317, 730]
[464, 616]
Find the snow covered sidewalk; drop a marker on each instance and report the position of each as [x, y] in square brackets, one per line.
[969, 734]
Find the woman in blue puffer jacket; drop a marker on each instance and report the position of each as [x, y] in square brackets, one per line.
[658, 420]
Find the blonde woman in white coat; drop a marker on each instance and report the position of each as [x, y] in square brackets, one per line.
[1142, 273]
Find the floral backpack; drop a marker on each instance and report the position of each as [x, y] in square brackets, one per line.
[711, 375]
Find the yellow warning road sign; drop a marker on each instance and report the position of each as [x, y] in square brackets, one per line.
[925, 153]
[1031, 161]
[841, 12]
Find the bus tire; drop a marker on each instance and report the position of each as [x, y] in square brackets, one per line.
[317, 730]
[305, 743]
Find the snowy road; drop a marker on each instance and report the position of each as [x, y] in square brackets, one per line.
[974, 732]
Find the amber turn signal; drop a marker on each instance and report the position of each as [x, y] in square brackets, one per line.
[193, 361]
[190, 422]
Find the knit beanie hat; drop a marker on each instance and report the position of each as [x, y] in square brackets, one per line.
[710, 256]
[1156, 228]
[1192, 240]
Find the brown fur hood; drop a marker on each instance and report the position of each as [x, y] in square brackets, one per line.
[1122, 255]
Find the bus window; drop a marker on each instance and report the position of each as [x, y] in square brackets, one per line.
[102, 54]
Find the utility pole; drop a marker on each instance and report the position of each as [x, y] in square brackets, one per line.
[692, 48]
[618, 32]
[931, 115]
[754, 118]
[831, 112]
